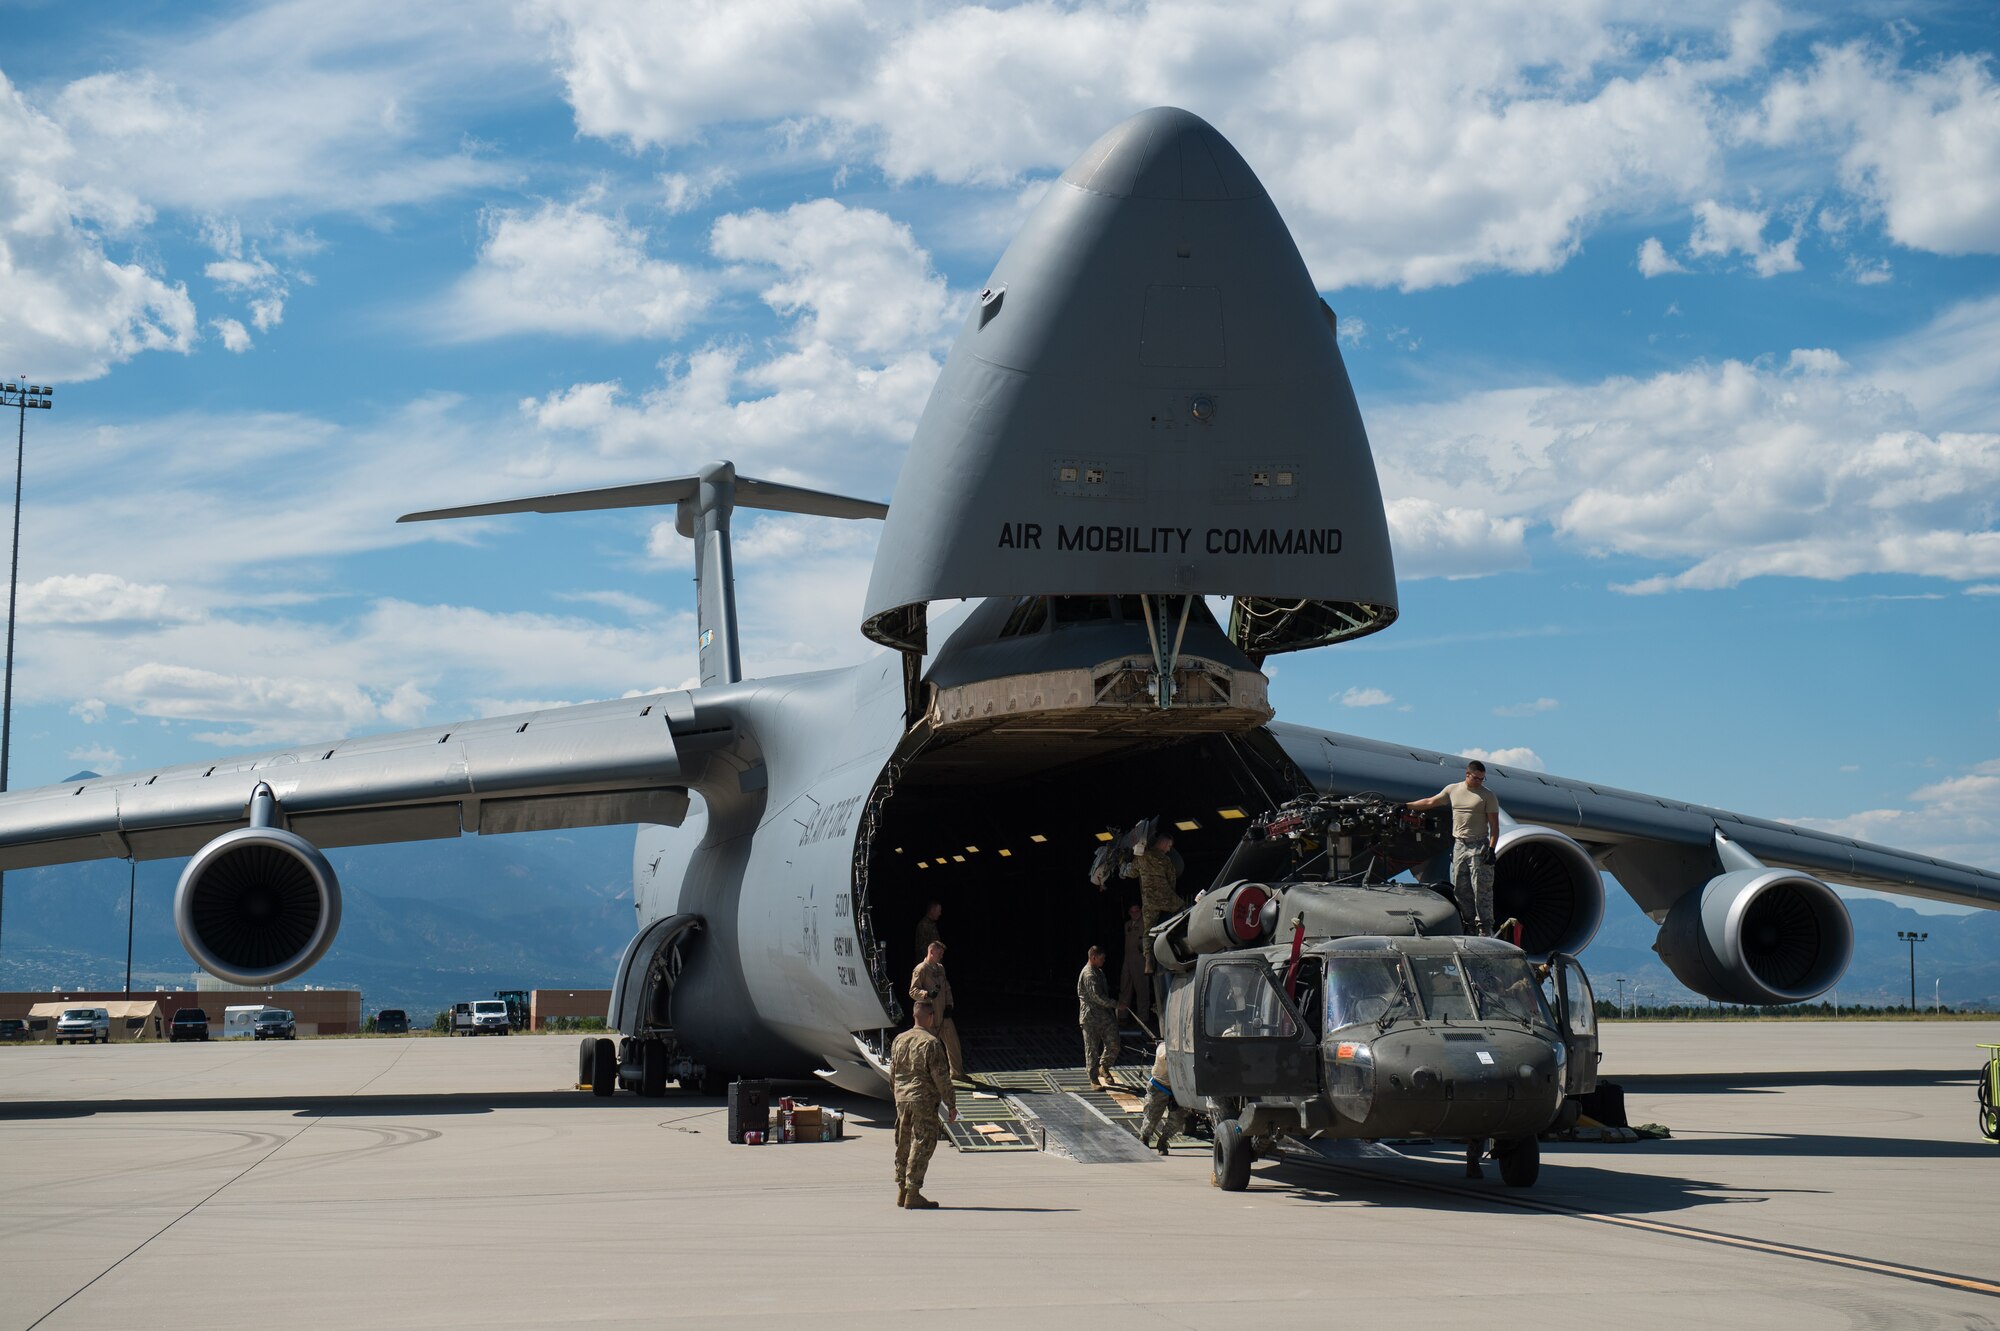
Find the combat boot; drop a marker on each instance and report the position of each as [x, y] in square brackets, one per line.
[902, 1197]
[916, 1201]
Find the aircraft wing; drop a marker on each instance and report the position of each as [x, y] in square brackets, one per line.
[602, 763]
[1655, 846]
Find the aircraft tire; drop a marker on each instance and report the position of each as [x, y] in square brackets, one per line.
[1231, 1158]
[1989, 1116]
[652, 1069]
[1520, 1162]
[586, 1060]
[603, 1069]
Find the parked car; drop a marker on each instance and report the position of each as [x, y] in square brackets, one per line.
[13, 1028]
[392, 1021]
[275, 1023]
[485, 1016]
[190, 1023]
[86, 1025]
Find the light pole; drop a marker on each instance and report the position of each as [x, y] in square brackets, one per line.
[1912, 938]
[22, 396]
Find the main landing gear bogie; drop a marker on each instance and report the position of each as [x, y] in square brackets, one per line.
[645, 1065]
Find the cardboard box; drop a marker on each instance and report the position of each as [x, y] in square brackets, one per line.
[806, 1123]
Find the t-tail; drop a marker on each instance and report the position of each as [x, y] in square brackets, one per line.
[702, 504]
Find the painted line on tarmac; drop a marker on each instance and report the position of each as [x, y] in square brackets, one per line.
[1824, 1256]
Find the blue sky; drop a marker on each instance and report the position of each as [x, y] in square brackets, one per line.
[1678, 342]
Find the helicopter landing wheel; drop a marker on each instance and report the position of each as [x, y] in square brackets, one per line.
[1232, 1155]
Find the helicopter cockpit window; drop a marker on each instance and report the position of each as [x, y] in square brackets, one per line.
[1503, 989]
[1243, 1004]
[1441, 985]
[1365, 989]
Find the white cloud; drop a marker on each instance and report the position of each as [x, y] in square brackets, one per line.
[681, 192]
[235, 337]
[99, 758]
[1524, 758]
[1919, 145]
[568, 268]
[1365, 697]
[73, 311]
[1801, 465]
[1654, 259]
[633, 607]
[1433, 540]
[241, 271]
[1489, 141]
[1720, 231]
[1535, 708]
[1983, 589]
[88, 710]
[1956, 819]
[97, 598]
[855, 277]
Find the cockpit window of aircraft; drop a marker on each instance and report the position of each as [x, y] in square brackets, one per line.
[1029, 615]
[1082, 610]
[1365, 989]
[1503, 988]
[1243, 1004]
[1441, 983]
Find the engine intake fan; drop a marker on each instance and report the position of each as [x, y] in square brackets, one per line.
[258, 905]
[1756, 935]
[1551, 885]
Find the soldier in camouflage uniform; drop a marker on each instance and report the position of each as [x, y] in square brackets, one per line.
[1163, 1115]
[1098, 1016]
[927, 928]
[920, 1076]
[929, 984]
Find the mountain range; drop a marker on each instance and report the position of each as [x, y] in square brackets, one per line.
[429, 923]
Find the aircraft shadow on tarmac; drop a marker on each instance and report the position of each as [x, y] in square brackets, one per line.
[1717, 1083]
[1431, 1182]
[857, 1109]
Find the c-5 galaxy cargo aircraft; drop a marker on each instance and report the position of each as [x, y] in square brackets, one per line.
[1146, 408]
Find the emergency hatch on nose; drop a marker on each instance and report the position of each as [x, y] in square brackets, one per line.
[1147, 398]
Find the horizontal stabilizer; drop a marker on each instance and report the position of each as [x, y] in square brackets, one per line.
[750, 493]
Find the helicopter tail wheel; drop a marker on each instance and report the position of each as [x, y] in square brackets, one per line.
[1231, 1157]
[1520, 1162]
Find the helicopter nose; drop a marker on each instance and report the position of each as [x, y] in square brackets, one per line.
[1424, 1079]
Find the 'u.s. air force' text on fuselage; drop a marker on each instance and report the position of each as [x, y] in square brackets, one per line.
[1096, 538]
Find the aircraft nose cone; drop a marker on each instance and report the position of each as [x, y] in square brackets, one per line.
[1164, 153]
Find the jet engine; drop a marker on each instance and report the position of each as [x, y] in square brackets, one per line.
[1758, 936]
[1551, 885]
[257, 906]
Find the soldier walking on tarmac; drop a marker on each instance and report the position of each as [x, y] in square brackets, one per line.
[920, 1076]
[1098, 1016]
[928, 984]
[1475, 837]
[1134, 990]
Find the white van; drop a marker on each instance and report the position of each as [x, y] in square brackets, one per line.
[240, 1023]
[485, 1016]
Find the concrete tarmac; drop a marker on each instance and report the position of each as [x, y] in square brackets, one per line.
[1820, 1175]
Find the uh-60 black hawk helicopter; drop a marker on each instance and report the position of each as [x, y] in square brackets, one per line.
[1312, 995]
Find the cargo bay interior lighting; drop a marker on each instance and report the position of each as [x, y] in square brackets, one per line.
[1037, 838]
[1187, 825]
[1231, 814]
